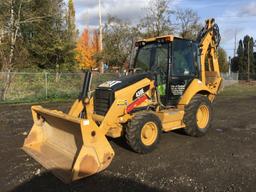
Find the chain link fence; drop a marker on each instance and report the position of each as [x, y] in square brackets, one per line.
[229, 79]
[246, 77]
[27, 87]
[233, 85]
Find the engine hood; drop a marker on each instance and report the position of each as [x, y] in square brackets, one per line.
[126, 81]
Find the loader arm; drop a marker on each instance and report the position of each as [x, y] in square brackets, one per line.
[80, 107]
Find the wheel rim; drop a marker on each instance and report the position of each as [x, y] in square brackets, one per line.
[149, 133]
[202, 116]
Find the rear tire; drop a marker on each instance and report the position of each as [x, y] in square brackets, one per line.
[143, 132]
[198, 116]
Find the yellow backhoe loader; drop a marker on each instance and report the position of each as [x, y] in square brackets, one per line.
[171, 85]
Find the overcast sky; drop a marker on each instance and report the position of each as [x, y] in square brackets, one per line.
[231, 15]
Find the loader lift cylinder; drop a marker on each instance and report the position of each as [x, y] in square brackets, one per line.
[86, 86]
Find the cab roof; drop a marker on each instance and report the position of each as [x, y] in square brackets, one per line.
[168, 38]
[165, 38]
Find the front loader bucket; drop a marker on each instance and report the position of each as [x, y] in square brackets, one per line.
[72, 148]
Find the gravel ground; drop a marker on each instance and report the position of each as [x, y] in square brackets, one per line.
[223, 160]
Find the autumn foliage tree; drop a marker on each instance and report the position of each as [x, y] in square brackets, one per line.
[87, 47]
[95, 42]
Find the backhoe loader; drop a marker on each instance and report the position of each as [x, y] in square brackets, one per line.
[171, 85]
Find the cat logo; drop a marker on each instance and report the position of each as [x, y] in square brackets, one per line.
[140, 92]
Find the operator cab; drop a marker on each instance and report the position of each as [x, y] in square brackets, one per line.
[175, 62]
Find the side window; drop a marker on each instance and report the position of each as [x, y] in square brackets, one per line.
[143, 59]
[153, 57]
[183, 63]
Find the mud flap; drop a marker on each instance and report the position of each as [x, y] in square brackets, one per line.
[72, 148]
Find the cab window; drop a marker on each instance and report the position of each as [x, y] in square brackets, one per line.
[153, 57]
[183, 62]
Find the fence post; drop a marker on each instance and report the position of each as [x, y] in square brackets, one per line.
[46, 84]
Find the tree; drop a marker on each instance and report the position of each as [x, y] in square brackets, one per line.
[254, 55]
[223, 60]
[240, 54]
[118, 40]
[11, 18]
[248, 56]
[95, 42]
[86, 49]
[49, 41]
[235, 64]
[157, 20]
[72, 32]
[33, 34]
[10, 14]
[188, 23]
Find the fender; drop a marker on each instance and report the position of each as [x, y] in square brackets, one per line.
[196, 86]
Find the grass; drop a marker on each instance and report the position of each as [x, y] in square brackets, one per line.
[37, 101]
[240, 89]
[31, 87]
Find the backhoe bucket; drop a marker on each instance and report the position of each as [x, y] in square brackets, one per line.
[72, 148]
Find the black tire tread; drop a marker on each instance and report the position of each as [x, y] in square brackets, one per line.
[133, 132]
[190, 116]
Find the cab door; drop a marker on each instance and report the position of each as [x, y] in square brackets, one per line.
[182, 70]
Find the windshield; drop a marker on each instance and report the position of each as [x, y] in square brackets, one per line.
[152, 56]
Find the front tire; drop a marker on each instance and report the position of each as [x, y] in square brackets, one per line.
[198, 116]
[143, 132]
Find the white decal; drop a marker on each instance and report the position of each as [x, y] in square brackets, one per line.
[110, 83]
[86, 122]
[139, 93]
[177, 89]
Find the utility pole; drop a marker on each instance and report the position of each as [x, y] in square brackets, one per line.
[235, 44]
[254, 46]
[100, 37]
[87, 19]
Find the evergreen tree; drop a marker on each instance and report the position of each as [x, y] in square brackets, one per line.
[254, 55]
[48, 40]
[248, 55]
[235, 64]
[72, 32]
[251, 55]
[240, 53]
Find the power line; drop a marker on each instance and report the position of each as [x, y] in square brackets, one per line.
[235, 43]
